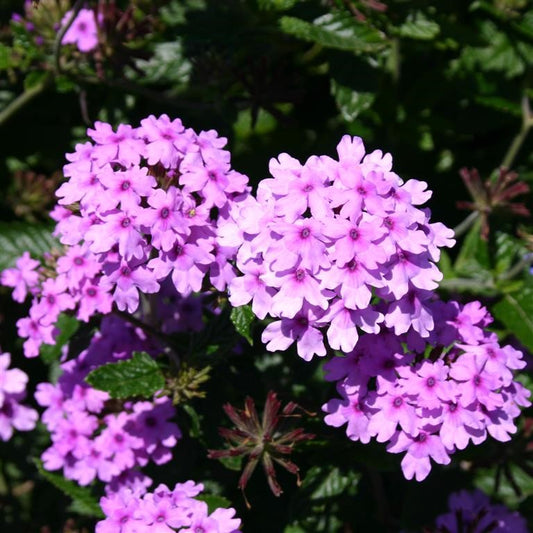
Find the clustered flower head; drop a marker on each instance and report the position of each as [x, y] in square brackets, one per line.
[164, 511]
[95, 437]
[338, 246]
[473, 512]
[328, 249]
[141, 207]
[13, 414]
[429, 397]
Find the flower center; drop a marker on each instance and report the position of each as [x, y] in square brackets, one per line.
[299, 274]
[305, 233]
[125, 222]
[125, 185]
[397, 402]
[165, 212]
[430, 382]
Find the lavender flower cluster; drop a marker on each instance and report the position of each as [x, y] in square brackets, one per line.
[473, 512]
[13, 414]
[164, 511]
[429, 397]
[337, 245]
[94, 437]
[144, 205]
[329, 249]
[340, 246]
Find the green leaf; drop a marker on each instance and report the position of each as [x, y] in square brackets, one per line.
[168, 64]
[445, 265]
[500, 104]
[334, 484]
[335, 30]
[213, 501]
[19, 237]
[67, 326]
[321, 483]
[83, 502]
[351, 103]
[5, 57]
[242, 318]
[419, 27]
[138, 376]
[484, 480]
[35, 78]
[515, 311]
[276, 5]
[508, 251]
[473, 258]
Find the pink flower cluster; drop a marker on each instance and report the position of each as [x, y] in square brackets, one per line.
[164, 511]
[94, 437]
[338, 245]
[429, 397]
[473, 512]
[13, 415]
[144, 206]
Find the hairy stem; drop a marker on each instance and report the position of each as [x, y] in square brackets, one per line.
[57, 45]
[24, 98]
[516, 144]
[466, 224]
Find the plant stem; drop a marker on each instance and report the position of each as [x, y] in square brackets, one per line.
[516, 144]
[22, 99]
[517, 268]
[466, 224]
[57, 45]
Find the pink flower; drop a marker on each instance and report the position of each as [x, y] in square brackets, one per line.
[83, 32]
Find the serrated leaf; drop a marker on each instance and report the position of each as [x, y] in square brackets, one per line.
[419, 28]
[83, 502]
[19, 237]
[168, 64]
[330, 483]
[242, 318]
[335, 30]
[138, 376]
[508, 250]
[67, 326]
[351, 103]
[515, 311]
[500, 53]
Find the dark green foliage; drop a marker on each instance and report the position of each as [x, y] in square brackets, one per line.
[138, 376]
[441, 85]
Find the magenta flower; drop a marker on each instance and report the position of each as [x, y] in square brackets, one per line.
[83, 32]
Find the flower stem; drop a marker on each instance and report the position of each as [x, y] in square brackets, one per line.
[22, 99]
[57, 45]
[516, 144]
[466, 224]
